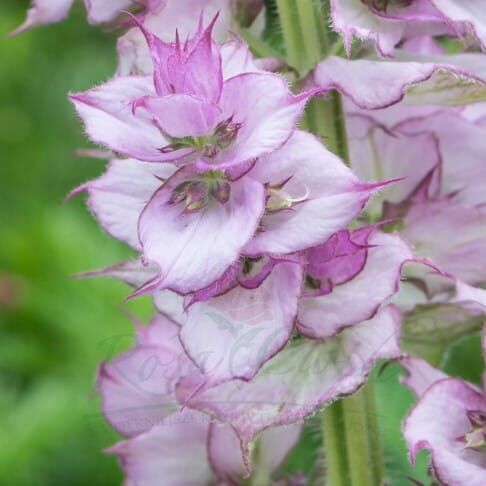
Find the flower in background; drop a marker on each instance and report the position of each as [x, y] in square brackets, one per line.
[449, 420]
[45, 12]
[406, 131]
[386, 23]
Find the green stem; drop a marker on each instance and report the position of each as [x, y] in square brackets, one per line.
[376, 449]
[353, 452]
[336, 455]
[304, 29]
[351, 439]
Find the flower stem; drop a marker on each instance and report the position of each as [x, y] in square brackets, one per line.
[304, 28]
[351, 439]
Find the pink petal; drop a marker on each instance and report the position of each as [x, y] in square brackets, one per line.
[462, 145]
[333, 196]
[385, 28]
[224, 453]
[44, 12]
[193, 68]
[268, 113]
[420, 376]
[236, 58]
[341, 258]
[437, 422]
[471, 13]
[174, 452]
[100, 11]
[359, 298]
[233, 335]
[109, 119]
[193, 250]
[471, 296]
[224, 284]
[136, 274]
[352, 18]
[137, 388]
[425, 45]
[415, 78]
[134, 56]
[232, 467]
[118, 197]
[432, 229]
[301, 379]
[383, 155]
[181, 115]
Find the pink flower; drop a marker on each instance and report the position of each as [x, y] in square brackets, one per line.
[301, 379]
[193, 111]
[410, 77]
[195, 225]
[340, 274]
[439, 207]
[449, 420]
[134, 56]
[137, 390]
[388, 22]
[187, 448]
[401, 130]
[99, 11]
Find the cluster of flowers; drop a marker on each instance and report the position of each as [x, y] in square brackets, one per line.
[274, 268]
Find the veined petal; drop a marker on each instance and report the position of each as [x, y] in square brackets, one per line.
[137, 388]
[109, 119]
[331, 196]
[462, 145]
[174, 451]
[432, 229]
[299, 380]
[384, 155]
[231, 466]
[118, 197]
[192, 68]
[193, 250]
[233, 335]
[359, 298]
[416, 79]
[267, 111]
[181, 115]
[134, 55]
[438, 422]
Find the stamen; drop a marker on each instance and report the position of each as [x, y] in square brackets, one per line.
[279, 200]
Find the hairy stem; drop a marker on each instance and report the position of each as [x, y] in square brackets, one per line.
[304, 27]
[352, 448]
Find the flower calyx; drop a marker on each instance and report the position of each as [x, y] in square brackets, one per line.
[196, 193]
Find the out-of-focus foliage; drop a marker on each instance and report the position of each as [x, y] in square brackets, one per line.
[54, 330]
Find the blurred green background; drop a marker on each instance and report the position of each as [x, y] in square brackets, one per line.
[54, 330]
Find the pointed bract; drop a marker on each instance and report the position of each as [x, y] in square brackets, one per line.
[301, 379]
[358, 298]
[233, 335]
